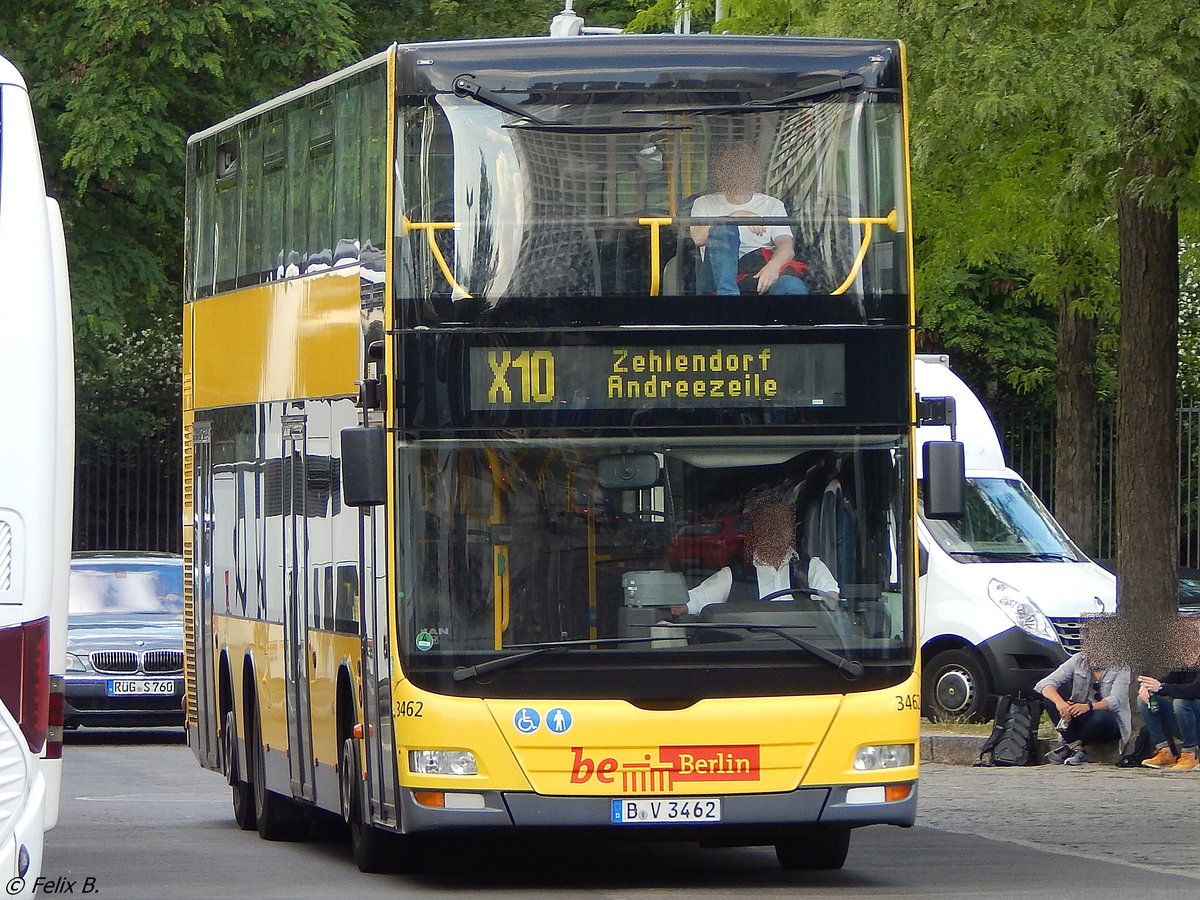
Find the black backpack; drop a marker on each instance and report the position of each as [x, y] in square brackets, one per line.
[1014, 737]
[1143, 748]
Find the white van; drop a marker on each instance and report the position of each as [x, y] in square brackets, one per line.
[1003, 589]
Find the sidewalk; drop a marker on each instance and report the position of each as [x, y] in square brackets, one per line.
[963, 749]
[1137, 817]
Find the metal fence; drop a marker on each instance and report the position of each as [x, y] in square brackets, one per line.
[1028, 438]
[128, 498]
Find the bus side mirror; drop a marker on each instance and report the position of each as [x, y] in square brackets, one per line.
[364, 466]
[945, 471]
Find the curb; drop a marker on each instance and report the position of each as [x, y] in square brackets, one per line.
[963, 750]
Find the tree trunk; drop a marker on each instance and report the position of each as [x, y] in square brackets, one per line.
[1076, 425]
[1147, 498]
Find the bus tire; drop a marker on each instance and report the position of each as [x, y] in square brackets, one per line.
[955, 687]
[271, 811]
[368, 845]
[815, 847]
[243, 792]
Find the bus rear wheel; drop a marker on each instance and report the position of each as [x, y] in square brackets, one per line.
[818, 847]
[273, 814]
[243, 792]
[368, 845]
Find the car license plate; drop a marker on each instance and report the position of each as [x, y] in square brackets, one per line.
[666, 810]
[132, 687]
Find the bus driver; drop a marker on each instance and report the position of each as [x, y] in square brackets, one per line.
[771, 551]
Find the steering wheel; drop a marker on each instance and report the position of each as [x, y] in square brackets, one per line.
[819, 596]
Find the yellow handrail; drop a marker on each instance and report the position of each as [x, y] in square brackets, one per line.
[868, 224]
[500, 579]
[429, 228]
[655, 224]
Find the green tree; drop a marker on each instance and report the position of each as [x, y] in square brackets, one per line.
[382, 22]
[117, 87]
[1126, 124]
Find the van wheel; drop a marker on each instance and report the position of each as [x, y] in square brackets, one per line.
[814, 848]
[954, 687]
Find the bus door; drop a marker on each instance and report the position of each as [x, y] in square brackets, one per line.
[377, 688]
[207, 744]
[295, 608]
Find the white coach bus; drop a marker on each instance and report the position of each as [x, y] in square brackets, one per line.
[36, 464]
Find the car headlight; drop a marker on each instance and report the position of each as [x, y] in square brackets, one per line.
[883, 756]
[78, 664]
[1023, 611]
[442, 762]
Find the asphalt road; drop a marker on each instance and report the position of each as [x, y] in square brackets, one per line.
[141, 819]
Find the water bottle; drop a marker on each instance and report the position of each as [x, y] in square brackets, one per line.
[1153, 704]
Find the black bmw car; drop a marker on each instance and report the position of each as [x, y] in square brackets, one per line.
[125, 640]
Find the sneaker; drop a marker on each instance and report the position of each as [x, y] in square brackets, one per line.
[1162, 759]
[1059, 754]
[1078, 758]
[1187, 762]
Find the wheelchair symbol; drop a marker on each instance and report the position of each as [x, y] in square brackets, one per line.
[527, 720]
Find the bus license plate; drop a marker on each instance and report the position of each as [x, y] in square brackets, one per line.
[127, 687]
[664, 810]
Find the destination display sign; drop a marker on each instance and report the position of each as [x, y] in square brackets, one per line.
[676, 377]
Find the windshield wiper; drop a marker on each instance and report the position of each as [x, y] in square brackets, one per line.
[850, 668]
[503, 662]
[466, 85]
[850, 83]
[573, 128]
[1014, 554]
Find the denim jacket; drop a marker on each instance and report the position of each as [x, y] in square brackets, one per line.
[1114, 687]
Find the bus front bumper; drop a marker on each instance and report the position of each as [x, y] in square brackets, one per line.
[747, 813]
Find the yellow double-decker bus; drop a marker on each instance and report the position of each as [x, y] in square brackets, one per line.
[508, 505]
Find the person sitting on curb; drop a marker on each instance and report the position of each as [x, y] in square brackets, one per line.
[1171, 706]
[1095, 708]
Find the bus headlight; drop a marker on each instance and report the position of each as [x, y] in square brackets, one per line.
[883, 756]
[442, 762]
[1023, 611]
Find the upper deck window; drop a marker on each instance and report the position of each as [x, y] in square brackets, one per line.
[542, 200]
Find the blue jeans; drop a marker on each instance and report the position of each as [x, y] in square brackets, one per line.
[719, 269]
[1161, 722]
[1186, 714]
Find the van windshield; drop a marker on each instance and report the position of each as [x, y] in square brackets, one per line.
[1004, 520]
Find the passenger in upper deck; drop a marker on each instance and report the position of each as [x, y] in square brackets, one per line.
[755, 258]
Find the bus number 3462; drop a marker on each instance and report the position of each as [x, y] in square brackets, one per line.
[536, 371]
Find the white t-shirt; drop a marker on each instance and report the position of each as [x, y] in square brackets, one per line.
[758, 205]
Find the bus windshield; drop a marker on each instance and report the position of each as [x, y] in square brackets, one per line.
[569, 196]
[1003, 521]
[541, 543]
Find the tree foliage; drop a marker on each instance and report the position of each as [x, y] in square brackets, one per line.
[117, 86]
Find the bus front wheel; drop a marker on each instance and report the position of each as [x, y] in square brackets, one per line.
[818, 847]
[368, 845]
